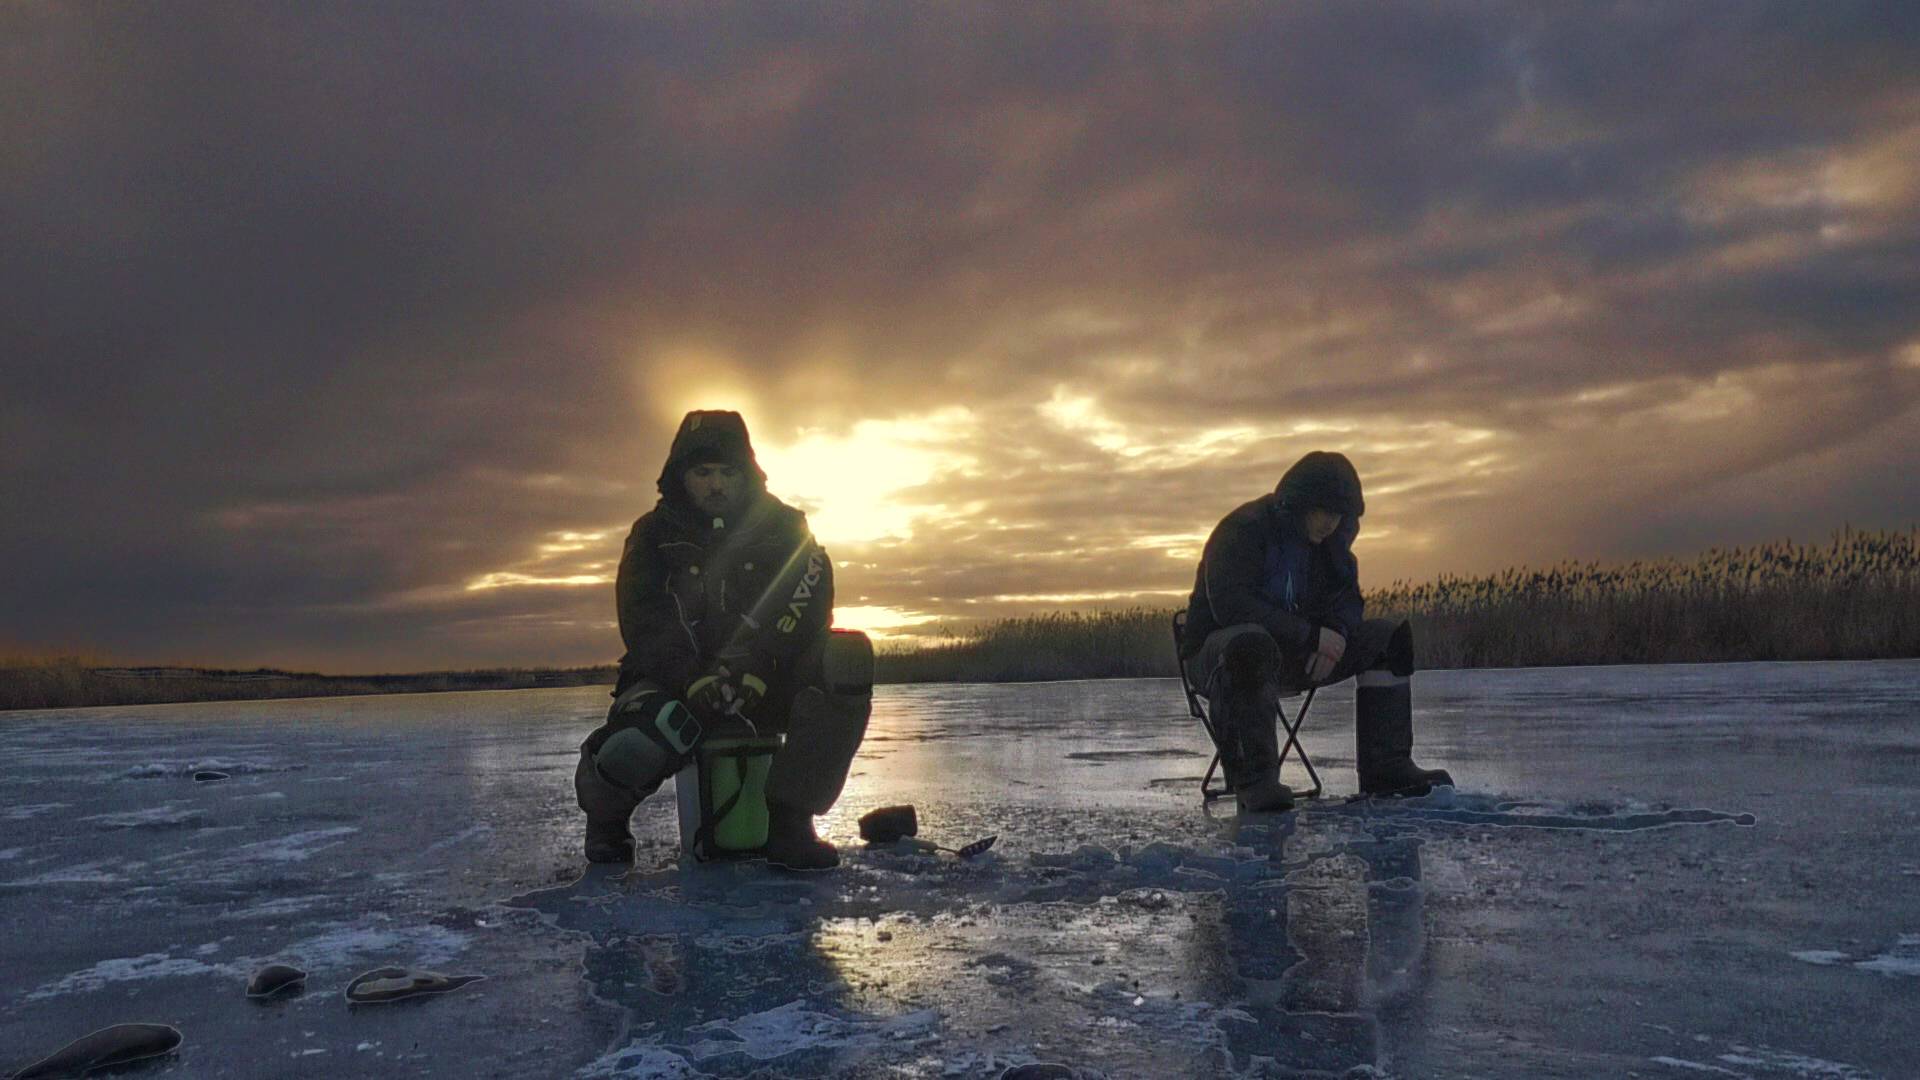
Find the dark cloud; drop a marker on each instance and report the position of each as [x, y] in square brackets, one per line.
[320, 315]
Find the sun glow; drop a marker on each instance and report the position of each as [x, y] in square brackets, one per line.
[848, 484]
[879, 623]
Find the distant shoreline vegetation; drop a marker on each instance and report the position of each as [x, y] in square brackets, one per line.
[1857, 597]
[61, 682]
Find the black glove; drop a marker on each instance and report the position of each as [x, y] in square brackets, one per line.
[711, 696]
[749, 690]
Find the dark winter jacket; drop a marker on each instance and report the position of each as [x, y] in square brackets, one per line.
[753, 592]
[1245, 575]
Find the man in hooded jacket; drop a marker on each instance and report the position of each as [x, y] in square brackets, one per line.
[724, 601]
[1276, 607]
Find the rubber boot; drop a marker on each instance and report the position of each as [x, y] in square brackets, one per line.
[607, 807]
[1264, 796]
[609, 842]
[1250, 750]
[792, 843]
[1240, 703]
[1383, 737]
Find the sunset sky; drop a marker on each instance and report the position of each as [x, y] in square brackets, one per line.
[351, 337]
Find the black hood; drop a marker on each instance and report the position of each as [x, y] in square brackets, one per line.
[709, 436]
[1322, 480]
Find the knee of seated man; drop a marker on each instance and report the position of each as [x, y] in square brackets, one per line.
[846, 662]
[1250, 651]
[1399, 654]
[631, 760]
[648, 736]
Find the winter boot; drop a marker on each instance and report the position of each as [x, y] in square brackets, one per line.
[1263, 796]
[1383, 737]
[609, 842]
[1240, 704]
[792, 843]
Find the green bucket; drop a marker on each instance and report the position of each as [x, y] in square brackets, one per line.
[723, 796]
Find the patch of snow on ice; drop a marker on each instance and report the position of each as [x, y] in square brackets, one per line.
[11, 853]
[346, 946]
[286, 905]
[1797, 1064]
[92, 873]
[471, 832]
[230, 766]
[126, 969]
[1902, 959]
[641, 1062]
[171, 815]
[296, 847]
[793, 1027]
[1697, 1066]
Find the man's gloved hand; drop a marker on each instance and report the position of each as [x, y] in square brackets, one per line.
[711, 696]
[748, 691]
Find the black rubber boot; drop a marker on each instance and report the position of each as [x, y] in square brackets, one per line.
[1383, 738]
[792, 843]
[1240, 703]
[609, 842]
[1264, 796]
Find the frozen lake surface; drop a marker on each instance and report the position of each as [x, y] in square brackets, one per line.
[1689, 871]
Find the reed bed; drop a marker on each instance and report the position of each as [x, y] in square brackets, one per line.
[1855, 597]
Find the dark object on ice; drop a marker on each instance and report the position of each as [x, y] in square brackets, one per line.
[889, 823]
[967, 852]
[208, 776]
[273, 979]
[110, 1046]
[974, 848]
[386, 984]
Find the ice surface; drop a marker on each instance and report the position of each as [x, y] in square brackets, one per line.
[1633, 855]
[125, 969]
[1902, 959]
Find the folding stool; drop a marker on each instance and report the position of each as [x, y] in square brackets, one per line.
[1196, 705]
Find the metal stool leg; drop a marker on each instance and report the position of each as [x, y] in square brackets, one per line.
[1293, 742]
[1208, 794]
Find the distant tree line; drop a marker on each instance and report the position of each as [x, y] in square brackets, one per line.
[53, 682]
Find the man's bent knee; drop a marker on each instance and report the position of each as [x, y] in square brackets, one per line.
[647, 738]
[1247, 651]
[827, 725]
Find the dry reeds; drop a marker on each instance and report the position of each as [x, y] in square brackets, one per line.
[1856, 597]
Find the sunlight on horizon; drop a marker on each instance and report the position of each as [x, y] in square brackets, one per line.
[876, 621]
[846, 483]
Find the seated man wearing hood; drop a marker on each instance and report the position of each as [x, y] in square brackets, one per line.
[724, 602]
[1276, 608]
